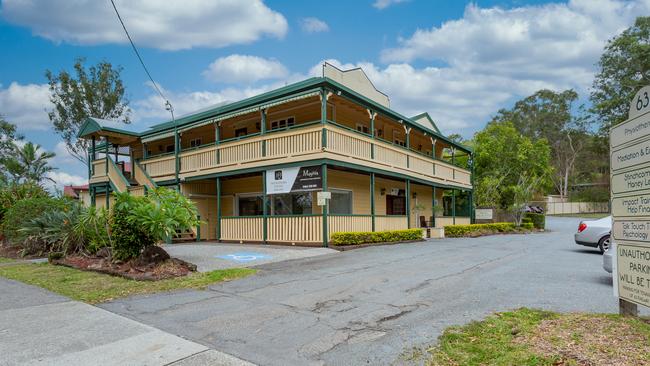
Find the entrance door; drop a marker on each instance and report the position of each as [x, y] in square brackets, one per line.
[395, 205]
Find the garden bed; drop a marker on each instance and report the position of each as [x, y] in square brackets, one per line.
[15, 252]
[169, 268]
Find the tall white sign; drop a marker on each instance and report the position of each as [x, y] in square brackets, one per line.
[630, 195]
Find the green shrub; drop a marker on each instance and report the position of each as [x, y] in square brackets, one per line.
[526, 219]
[527, 225]
[455, 231]
[138, 222]
[25, 210]
[356, 238]
[538, 220]
[14, 192]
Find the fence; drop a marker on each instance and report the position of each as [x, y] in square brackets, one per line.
[563, 208]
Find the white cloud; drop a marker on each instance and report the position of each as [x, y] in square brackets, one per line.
[25, 105]
[63, 179]
[244, 68]
[313, 25]
[383, 4]
[557, 43]
[168, 25]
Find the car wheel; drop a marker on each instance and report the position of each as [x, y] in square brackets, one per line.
[603, 244]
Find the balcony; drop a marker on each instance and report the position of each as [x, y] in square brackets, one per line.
[303, 142]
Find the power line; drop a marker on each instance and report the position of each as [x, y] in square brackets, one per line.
[135, 49]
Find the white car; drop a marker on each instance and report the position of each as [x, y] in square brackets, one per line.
[595, 233]
[608, 258]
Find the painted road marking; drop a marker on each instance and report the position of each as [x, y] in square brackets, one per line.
[244, 256]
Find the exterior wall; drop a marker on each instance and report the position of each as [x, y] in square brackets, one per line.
[359, 184]
[204, 195]
[423, 197]
[231, 187]
[386, 185]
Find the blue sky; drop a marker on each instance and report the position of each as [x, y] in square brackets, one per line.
[458, 60]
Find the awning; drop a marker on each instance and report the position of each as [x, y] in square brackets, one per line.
[158, 136]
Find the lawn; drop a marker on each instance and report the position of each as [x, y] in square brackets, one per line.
[534, 337]
[92, 287]
[6, 260]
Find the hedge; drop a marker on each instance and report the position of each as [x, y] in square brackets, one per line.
[455, 231]
[538, 220]
[356, 238]
[24, 210]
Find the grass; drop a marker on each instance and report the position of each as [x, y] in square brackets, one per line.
[6, 260]
[584, 215]
[92, 287]
[535, 337]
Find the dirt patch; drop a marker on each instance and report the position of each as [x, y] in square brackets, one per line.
[15, 252]
[586, 340]
[134, 269]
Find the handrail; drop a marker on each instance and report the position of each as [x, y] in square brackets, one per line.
[137, 166]
[118, 172]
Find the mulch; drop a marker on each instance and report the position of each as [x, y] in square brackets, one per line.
[169, 268]
[14, 252]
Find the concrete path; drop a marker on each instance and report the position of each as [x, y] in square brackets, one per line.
[368, 306]
[38, 327]
[212, 256]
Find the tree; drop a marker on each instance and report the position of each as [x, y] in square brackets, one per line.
[503, 157]
[8, 137]
[29, 164]
[624, 69]
[548, 115]
[96, 92]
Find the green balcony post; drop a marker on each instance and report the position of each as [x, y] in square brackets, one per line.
[217, 125]
[325, 208]
[177, 142]
[408, 203]
[264, 209]
[372, 199]
[323, 117]
[198, 229]
[372, 134]
[218, 184]
[108, 197]
[453, 206]
[263, 130]
[106, 157]
[433, 206]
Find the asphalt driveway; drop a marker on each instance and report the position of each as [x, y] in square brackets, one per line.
[368, 306]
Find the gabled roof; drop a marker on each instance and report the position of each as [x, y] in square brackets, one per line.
[426, 120]
[101, 127]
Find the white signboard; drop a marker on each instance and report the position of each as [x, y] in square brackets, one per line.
[483, 213]
[630, 202]
[632, 181]
[322, 197]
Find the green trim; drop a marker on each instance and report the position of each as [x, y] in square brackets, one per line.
[124, 180]
[428, 117]
[241, 137]
[433, 205]
[198, 229]
[372, 199]
[453, 206]
[264, 208]
[408, 203]
[326, 207]
[93, 125]
[218, 184]
[177, 148]
[319, 162]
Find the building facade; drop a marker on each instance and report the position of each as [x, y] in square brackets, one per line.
[293, 165]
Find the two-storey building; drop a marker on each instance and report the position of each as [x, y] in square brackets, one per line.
[293, 165]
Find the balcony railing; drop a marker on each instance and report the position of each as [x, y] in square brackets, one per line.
[305, 142]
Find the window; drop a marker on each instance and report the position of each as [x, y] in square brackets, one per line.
[282, 123]
[249, 205]
[363, 128]
[299, 203]
[241, 132]
[195, 142]
[398, 139]
[395, 205]
[341, 202]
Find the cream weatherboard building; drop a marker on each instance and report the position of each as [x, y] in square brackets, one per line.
[260, 170]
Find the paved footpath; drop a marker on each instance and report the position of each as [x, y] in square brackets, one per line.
[38, 327]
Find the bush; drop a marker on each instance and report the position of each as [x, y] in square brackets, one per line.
[25, 210]
[538, 220]
[456, 231]
[14, 192]
[139, 222]
[356, 238]
[527, 225]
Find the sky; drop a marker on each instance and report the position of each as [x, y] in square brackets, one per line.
[460, 61]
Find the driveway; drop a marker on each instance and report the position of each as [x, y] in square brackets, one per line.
[211, 256]
[368, 306]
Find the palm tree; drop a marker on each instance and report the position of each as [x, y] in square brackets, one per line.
[29, 163]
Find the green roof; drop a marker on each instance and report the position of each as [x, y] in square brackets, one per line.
[93, 124]
[266, 97]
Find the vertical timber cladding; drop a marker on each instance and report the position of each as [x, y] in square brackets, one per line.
[630, 195]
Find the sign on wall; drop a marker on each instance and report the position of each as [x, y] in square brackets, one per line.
[294, 179]
[483, 214]
[630, 195]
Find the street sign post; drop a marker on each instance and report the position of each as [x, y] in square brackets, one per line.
[630, 202]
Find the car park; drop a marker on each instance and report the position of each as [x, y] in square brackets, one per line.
[594, 233]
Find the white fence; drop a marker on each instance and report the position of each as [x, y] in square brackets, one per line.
[562, 208]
